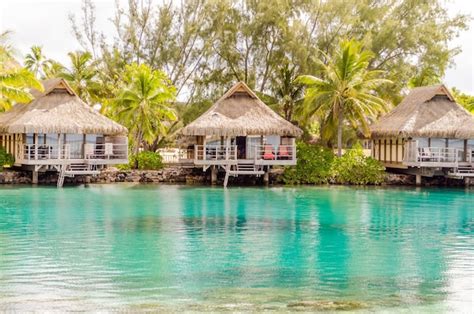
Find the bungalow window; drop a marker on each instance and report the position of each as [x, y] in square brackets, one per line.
[93, 138]
[75, 142]
[470, 144]
[29, 138]
[438, 142]
[51, 139]
[423, 142]
[455, 143]
[252, 143]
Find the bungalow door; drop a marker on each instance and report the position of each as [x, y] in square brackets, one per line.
[241, 142]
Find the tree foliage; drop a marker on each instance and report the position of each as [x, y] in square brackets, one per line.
[204, 46]
[82, 76]
[465, 100]
[345, 91]
[143, 104]
[15, 81]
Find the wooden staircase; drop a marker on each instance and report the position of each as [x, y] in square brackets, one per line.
[463, 171]
[71, 170]
[242, 168]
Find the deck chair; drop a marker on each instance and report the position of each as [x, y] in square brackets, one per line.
[283, 152]
[425, 154]
[268, 153]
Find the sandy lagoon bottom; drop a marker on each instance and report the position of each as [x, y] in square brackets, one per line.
[175, 248]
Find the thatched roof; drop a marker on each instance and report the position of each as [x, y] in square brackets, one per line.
[57, 110]
[240, 113]
[428, 111]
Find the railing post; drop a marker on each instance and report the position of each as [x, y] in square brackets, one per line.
[203, 152]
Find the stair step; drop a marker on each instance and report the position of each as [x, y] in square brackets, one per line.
[246, 172]
[74, 172]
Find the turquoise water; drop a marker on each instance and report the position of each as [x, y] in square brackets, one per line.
[148, 247]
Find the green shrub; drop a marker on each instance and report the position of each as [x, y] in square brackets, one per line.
[6, 159]
[318, 165]
[356, 168]
[146, 160]
[313, 167]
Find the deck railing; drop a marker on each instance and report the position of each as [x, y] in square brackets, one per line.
[427, 155]
[174, 155]
[215, 152]
[43, 152]
[72, 151]
[275, 152]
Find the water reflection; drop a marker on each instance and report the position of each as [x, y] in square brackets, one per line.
[177, 245]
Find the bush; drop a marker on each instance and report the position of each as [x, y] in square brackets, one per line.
[146, 160]
[356, 168]
[318, 165]
[313, 167]
[6, 159]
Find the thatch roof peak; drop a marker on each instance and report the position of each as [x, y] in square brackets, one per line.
[427, 111]
[239, 112]
[50, 85]
[57, 110]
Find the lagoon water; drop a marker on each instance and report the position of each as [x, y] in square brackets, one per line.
[175, 248]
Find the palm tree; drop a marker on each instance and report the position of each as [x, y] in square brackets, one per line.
[55, 69]
[36, 62]
[82, 76]
[345, 91]
[15, 81]
[14, 87]
[286, 93]
[143, 104]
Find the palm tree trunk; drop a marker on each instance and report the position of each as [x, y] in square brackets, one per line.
[340, 119]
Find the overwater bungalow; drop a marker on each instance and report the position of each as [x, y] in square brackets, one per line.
[240, 135]
[427, 134]
[57, 131]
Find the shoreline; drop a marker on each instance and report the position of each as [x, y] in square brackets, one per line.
[195, 177]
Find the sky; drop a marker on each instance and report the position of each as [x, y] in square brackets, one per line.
[46, 23]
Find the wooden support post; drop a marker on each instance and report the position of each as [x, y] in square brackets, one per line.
[34, 177]
[213, 175]
[467, 181]
[464, 155]
[226, 179]
[36, 145]
[266, 176]
[418, 179]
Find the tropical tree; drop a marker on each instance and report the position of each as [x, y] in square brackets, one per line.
[286, 93]
[15, 81]
[82, 75]
[36, 62]
[346, 90]
[55, 69]
[143, 104]
[465, 100]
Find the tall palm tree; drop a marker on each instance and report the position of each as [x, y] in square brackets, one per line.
[346, 90]
[82, 75]
[143, 105]
[36, 62]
